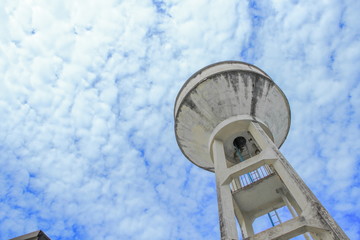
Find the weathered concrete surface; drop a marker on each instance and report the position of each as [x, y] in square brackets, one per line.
[231, 99]
[219, 92]
[287, 230]
[225, 200]
[309, 206]
[261, 197]
[267, 194]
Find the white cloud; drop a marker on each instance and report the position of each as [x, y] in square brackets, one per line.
[86, 104]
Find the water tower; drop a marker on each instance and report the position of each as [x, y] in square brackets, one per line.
[231, 119]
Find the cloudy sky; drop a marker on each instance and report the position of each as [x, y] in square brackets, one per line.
[87, 91]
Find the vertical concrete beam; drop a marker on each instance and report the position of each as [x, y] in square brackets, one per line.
[293, 188]
[225, 199]
[265, 142]
[244, 221]
[293, 203]
[286, 201]
[291, 209]
[310, 206]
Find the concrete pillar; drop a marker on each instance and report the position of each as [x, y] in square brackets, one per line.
[245, 223]
[310, 206]
[293, 203]
[291, 209]
[286, 201]
[225, 200]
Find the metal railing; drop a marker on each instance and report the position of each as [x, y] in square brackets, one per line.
[252, 177]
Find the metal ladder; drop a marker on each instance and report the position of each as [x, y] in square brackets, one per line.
[274, 218]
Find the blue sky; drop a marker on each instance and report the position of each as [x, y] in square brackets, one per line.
[87, 90]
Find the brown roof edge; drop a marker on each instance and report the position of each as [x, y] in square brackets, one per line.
[37, 235]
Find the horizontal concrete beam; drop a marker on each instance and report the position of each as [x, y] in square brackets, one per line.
[266, 156]
[287, 230]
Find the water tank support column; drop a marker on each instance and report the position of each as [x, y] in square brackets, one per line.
[291, 209]
[225, 200]
[245, 222]
[286, 201]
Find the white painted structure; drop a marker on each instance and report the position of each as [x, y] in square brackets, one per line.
[235, 101]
